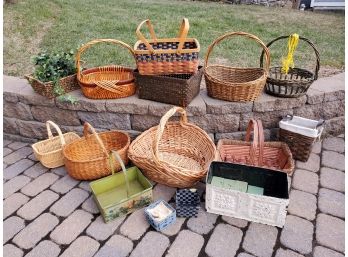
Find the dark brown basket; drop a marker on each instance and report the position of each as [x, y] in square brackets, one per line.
[68, 83]
[176, 89]
[296, 82]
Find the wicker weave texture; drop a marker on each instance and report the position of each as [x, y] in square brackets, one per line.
[271, 155]
[175, 154]
[88, 157]
[232, 83]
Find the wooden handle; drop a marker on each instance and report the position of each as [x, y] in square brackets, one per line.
[86, 128]
[239, 33]
[119, 159]
[184, 28]
[49, 132]
[261, 141]
[253, 148]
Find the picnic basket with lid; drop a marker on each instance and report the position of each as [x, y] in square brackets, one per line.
[296, 82]
[175, 154]
[88, 157]
[234, 83]
[105, 82]
[166, 55]
[49, 151]
[271, 155]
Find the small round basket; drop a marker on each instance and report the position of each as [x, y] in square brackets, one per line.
[296, 82]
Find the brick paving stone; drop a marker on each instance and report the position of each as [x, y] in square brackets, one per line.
[32, 157]
[35, 231]
[217, 246]
[12, 251]
[37, 205]
[135, 225]
[69, 202]
[12, 203]
[39, 184]
[90, 205]
[313, 163]
[17, 168]
[316, 148]
[60, 171]
[287, 253]
[330, 232]
[320, 251]
[6, 151]
[36, 170]
[163, 192]
[17, 155]
[302, 204]
[204, 222]
[84, 246]
[306, 181]
[71, 227]
[245, 255]
[153, 244]
[116, 246]
[17, 145]
[174, 228]
[333, 160]
[235, 221]
[6, 142]
[11, 227]
[85, 186]
[100, 230]
[187, 244]
[64, 184]
[44, 249]
[332, 179]
[260, 239]
[14, 185]
[297, 234]
[331, 202]
[334, 144]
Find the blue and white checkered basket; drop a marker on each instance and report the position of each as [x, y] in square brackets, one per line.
[159, 226]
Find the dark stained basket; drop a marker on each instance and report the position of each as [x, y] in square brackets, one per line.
[296, 82]
[176, 89]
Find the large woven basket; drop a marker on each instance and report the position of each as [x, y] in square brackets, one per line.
[271, 155]
[106, 82]
[231, 83]
[296, 82]
[46, 89]
[49, 151]
[176, 154]
[88, 157]
[177, 89]
[167, 55]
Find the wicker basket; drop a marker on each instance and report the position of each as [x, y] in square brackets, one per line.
[168, 55]
[296, 82]
[49, 151]
[177, 89]
[235, 84]
[106, 82]
[88, 157]
[68, 83]
[176, 154]
[271, 155]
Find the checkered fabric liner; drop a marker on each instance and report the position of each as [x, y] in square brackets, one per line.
[187, 211]
[187, 203]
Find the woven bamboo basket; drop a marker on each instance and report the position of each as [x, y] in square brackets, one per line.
[88, 157]
[231, 83]
[106, 82]
[166, 55]
[296, 82]
[271, 155]
[49, 151]
[46, 89]
[176, 154]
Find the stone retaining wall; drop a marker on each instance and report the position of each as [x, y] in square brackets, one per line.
[26, 112]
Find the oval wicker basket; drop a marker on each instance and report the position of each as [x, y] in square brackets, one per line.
[296, 82]
[235, 84]
[175, 154]
[88, 157]
[106, 82]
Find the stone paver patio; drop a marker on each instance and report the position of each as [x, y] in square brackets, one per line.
[47, 213]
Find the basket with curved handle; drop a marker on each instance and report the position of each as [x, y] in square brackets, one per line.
[49, 132]
[86, 128]
[124, 171]
[317, 67]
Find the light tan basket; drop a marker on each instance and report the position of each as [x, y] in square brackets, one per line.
[49, 151]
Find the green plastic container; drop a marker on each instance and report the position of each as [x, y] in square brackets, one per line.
[121, 193]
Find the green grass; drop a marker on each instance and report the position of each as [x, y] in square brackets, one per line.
[35, 25]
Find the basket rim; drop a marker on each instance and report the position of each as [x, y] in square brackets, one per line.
[34, 146]
[306, 80]
[166, 51]
[31, 77]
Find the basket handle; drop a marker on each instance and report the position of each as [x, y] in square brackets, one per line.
[84, 47]
[238, 33]
[161, 126]
[184, 28]
[49, 132]
[317, 67]
[252, 125]
[124, 171]
[86, 128]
